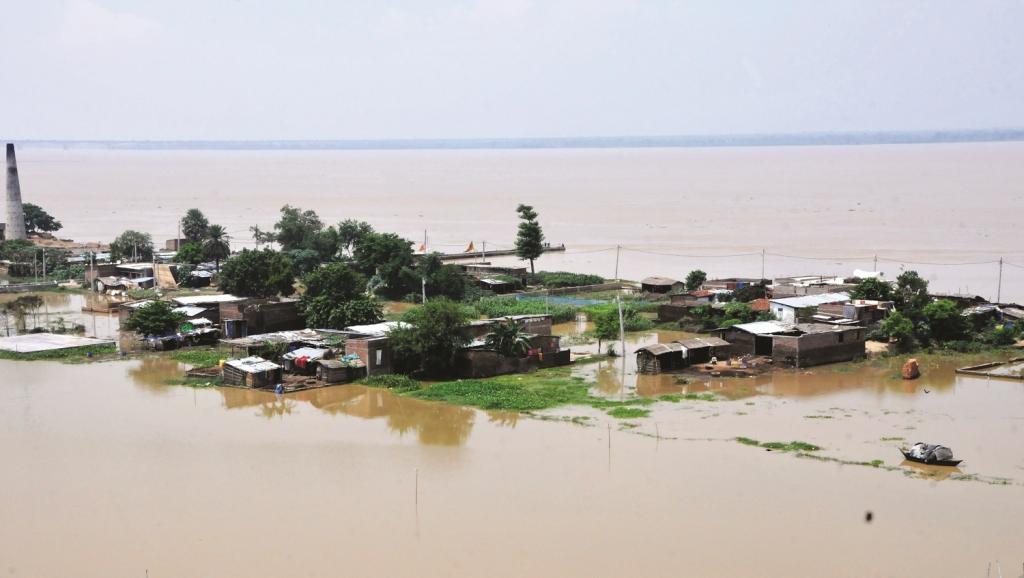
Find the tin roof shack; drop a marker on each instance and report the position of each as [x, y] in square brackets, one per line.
[477, 361]
[497, 285]
[263, 315]
[664, 357]
[256, 344]
[661, 285]
[484, 270]
[795, 309]
[731, 283]
[693, 298]
[370, 343]
[253, 372]
[134, 270]
[810, 285]
[859, 311]
[818, 343]
[110, 284]
[754, 338]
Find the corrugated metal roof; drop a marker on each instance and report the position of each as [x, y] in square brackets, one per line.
[702, 342]
[378, 329]
[662, 348]
[310, 352]
[812, 300]
[658, 281]
[189, 310]
[204, 299]
[765, 327]
[252, 364]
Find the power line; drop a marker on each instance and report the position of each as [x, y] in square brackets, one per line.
[901, 261]
[688, 256]
[820, 258]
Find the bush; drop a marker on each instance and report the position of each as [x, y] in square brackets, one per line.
[154, 318]
[434, 334]
[262, 273]
[494, 307]
[556, 279]
[399, 383]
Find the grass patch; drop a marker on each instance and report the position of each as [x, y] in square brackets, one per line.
[197, 382]
[69, 354]
[678, 397]
[541, 389]
[198, 357]
[397, 383]
[628, 412]
[596, 358]
[793, 446]
[602, 403]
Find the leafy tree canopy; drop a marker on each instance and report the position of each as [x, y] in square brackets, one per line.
[296, 228]
[391, 258]
[435, 333]
[263, 273]
[944, 320]
[132, 246]
[190, 253]
[508, 339]
[38, 220]
[873, 289]
[350, 233]
[695, 279]
[194, 225]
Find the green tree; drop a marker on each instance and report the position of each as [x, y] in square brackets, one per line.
[442, 280]
[530, 239]
[911, 291]
[872, 289]
[17, 250]
[303, 260]
[38, 220]
[264, 273]
[296, 228]
[189, 253]
[216, 245]
[154, 318]
[132, 246]
[350, 233]
[695, 279]
[898, 327]
[434, 333]
[738, 312]
[335, 298]
[261, 236]
[508, 339]
[389, 257]
[194, 225]
[944, 320]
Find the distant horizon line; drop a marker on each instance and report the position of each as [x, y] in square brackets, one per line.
[837, 138]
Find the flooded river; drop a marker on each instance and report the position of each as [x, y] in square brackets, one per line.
[815, 210]
[56, 307]
[108, 471]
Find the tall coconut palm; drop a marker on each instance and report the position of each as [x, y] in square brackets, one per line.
[508, 339]
[215, 245]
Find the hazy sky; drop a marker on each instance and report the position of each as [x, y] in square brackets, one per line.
[242, 69]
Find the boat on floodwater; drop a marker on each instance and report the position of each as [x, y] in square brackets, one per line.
[907, 454]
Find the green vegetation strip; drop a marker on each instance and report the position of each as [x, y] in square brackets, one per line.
[793, 446]
[198, 357]
[69, 354]
[396, 383]
[628, 412]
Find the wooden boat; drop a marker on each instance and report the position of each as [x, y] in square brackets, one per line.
[907, 455]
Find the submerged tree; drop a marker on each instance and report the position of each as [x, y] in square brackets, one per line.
[530, 239]
[194, 225]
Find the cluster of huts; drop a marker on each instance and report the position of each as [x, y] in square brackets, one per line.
[812, 320]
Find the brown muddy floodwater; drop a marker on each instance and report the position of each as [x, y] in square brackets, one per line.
[672, 209]
[107, 471]
[60, 306]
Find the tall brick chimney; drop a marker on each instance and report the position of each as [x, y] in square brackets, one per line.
[15, 212]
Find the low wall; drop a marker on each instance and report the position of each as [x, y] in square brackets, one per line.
[22, 287]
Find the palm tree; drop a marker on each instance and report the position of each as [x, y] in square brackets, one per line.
[508, 339]
[215, 245]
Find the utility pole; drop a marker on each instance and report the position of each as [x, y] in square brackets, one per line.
[92, 275]
[622, 331]
[44, 265]
[875, 269]
[618, 249]
[762, 264]
[999, 290]
[424, 279]
[483, 251]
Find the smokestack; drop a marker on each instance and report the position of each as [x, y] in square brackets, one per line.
[15, 212]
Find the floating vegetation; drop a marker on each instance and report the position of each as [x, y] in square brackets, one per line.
[793, 446]
[628, 412]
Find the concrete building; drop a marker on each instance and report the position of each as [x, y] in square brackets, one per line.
[15, 227]
[799, 345]
[795, 309]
